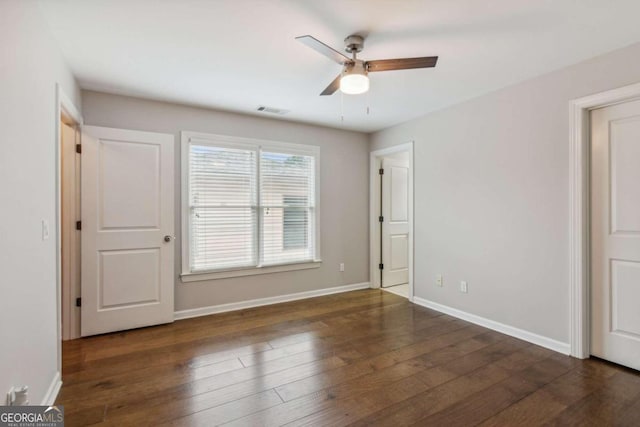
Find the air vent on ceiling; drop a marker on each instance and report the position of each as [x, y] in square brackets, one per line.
[272, 110]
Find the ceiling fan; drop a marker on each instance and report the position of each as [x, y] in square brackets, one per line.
[354, 78]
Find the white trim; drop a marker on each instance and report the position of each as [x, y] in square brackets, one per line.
[579, 174]
[52, 392]
[184, 202]
[65, 105]
[186, 137]
[197, 277]
[540, 340]
[374, 202]
[241, 305]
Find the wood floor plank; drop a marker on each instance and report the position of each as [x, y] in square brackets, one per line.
[221, 414]
[555, 396]
[442, 396]
[198, 397]
[198, 352]
[605, 406]
[239, 325]
[187, 381]
[487, 403]
[332, 399]
[360, 358]
[195, 352]
[442, 337]
[189, 372]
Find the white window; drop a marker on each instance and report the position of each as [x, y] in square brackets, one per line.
[249, 206]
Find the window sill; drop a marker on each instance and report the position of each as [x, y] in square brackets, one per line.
[225, 274]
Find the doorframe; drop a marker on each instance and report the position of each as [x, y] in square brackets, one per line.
[64, 105]
[579, 211]
[374, 204]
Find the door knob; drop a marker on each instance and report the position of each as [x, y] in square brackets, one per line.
[168, 238]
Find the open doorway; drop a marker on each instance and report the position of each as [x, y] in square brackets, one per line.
[70, 226]
[391, 214]
[68, 121]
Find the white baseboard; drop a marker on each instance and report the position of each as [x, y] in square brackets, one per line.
[222, 308]
[546, 342]
[53, 390]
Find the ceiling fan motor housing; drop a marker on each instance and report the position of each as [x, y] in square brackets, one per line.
[353, 79]
[356, 67]
[353, 44]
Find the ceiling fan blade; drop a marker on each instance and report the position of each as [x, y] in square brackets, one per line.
[333, 86]
[401, 63]
[322, 48]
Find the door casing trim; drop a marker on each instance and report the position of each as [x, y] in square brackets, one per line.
[374, 200]
[579, 211]
[64, 105]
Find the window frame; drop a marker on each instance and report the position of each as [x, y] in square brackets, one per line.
[258, 145]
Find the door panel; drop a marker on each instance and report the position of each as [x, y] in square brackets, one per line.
[625, 175]
[130, 185]
[615, 233]
[399, 180]
[399, 252]
[395, 226]
[127, 209]
[129, 278]
[625, 297]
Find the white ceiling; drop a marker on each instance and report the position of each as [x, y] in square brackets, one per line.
[238, 54]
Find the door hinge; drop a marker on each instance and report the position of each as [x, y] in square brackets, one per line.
[381, 171]
[78, 148]
[381, 266]
[381, 218]
[78, 225]
[78, 302]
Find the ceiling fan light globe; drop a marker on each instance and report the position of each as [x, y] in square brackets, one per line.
[354, 84]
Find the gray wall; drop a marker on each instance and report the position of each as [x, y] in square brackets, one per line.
[30, 67]
[343, 187]
[492, 195]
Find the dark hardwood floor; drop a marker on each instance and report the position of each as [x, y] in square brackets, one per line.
[359, 358]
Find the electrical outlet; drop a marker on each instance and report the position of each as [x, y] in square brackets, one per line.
[18, 396]
[439, 281]
[342, 266]
[463, 287]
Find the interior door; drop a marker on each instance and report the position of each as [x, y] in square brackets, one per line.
[127, 243]
[615, 233]
[395, 224]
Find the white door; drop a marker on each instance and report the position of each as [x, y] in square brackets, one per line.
[127, 210]
[615, 234]
[395, 222]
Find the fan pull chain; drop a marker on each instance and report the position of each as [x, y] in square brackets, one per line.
[341, 107]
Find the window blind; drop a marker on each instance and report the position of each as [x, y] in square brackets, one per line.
[287, 203]
[223, 207]
[250, 204]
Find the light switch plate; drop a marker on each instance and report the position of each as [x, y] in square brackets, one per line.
[45, 229]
